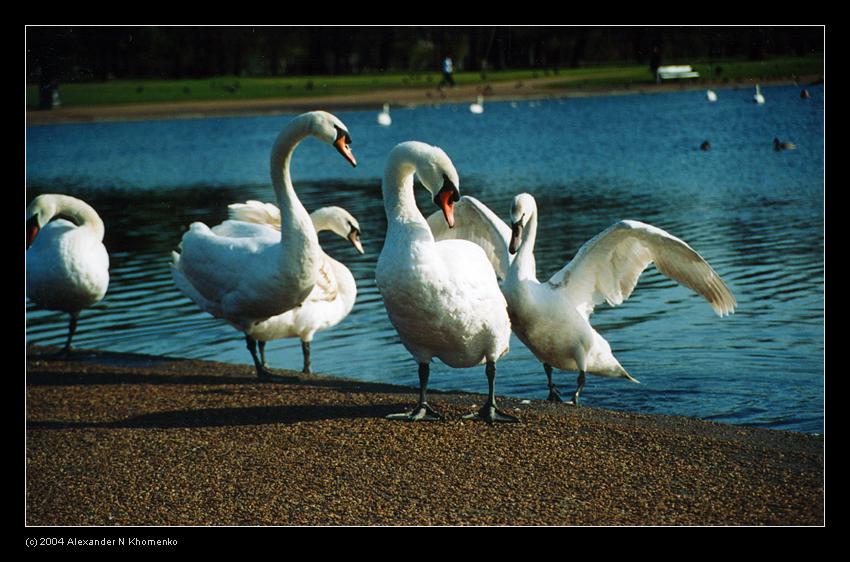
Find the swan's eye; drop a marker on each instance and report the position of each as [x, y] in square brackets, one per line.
[342, 134]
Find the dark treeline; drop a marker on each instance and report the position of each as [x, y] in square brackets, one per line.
[103, 53]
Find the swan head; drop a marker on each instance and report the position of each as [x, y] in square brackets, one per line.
[43, 209]
[340, 222]
[435, 171]
[522, 209]
[439, 176]
[39, 212]
[330, 129]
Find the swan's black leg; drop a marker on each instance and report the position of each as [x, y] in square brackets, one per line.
[259, 365]
[488, 411]
[554, 395]
[72, 327]
[305, 350]
[579, 388]
[262, 345]
[422, 411]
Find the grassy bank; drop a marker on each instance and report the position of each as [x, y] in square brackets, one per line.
[231, 88]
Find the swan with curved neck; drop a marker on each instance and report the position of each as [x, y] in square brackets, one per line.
[67, 264]
[758, 97]
[248, 278]
[443, 298]
[384, 116]
[552, 318]
[330, 301]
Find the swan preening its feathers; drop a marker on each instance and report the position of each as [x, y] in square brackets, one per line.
[552, 318]
[442, 297]
[246, 273]
[67, 265]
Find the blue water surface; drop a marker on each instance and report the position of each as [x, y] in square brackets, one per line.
[757, 216]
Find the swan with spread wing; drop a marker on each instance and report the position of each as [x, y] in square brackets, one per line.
[552, 317]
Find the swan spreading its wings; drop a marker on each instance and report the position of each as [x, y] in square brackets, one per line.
[607, 267]
[552, 318]
[475, 222]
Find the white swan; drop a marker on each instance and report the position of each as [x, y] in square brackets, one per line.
[67, 265]
[711, 95]
[443, 298]
[248, 278]
[478, 106]
[330, 300]
[758, 98]
[384, 116]
[552, 318]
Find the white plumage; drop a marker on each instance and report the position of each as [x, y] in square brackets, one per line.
[711, 95]
[67, 265]
[333, 296]
[478, 106]
[443, 298]
[247, 273]
[384, 116]
[552, 318]
[758, 97]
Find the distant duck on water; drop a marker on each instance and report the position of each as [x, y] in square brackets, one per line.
[779, 145]
[711, 95]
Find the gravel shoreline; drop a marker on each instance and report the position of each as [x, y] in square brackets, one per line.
[121, 439]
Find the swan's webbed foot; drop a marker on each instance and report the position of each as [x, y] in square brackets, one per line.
[490, 414]
[264, 375]
[422, 412]
[554, 395]
[63, 354]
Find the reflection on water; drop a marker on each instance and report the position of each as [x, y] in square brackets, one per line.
[756, 215]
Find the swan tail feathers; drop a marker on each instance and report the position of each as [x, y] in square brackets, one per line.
[629, 377]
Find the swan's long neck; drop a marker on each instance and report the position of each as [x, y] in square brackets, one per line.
[524, 266]
[297, 232]
[403, 216]
[347, 287]
[80, 213]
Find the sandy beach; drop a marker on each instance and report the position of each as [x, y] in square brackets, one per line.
[540, 88]
[118, 439]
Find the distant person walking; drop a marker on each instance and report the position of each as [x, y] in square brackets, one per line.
[655, 62]
[447, 72]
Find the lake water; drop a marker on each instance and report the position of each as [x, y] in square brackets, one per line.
[755, 214]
